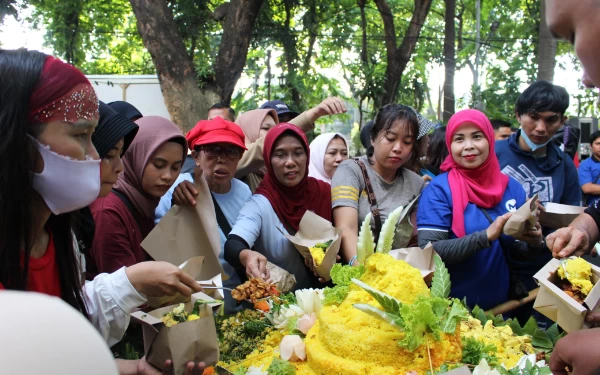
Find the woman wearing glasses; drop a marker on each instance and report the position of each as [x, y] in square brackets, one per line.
[217, 146]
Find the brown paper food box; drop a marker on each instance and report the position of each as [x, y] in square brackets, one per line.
[312, 230]
[193, 268]
[558, 306]
[186, 232]
[559, 216]
[418, 258]
[188, 341]
[523, 219]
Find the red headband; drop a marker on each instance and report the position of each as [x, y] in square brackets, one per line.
[62, 93]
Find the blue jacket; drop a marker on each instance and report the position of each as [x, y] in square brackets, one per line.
[553, 177]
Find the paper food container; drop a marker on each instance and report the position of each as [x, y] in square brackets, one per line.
[188, 341]
[557, 305]
[192, 267]
[186, 232]
[214, 293]
[559, 216]
[313, 230]
[522, 220]
[418, 258]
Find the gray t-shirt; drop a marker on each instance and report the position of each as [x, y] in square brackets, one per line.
[348, 190]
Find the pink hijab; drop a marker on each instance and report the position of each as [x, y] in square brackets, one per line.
[154, 131]
[483, 186]
[251, 121]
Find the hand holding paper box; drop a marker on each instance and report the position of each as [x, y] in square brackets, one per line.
[194, 340]
[313, 230]
[186, 232]
[523, 220]
[192, 267]
[557, 305]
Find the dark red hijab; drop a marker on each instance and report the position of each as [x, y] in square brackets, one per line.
[290, 203]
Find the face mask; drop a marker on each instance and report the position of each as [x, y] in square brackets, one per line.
[66, 184]
[530, 144]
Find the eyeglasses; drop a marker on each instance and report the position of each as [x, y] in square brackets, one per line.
[231, 152]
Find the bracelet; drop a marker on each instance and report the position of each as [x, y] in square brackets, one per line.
[352, 260]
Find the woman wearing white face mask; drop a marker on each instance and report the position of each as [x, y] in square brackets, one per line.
[328, 151]
[48, 114]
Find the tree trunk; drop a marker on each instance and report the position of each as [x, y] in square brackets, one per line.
[290, 52]
[449, 59]
[363, 26]
[311, 23]
[237, 33]
[398, 57]
[185, 101]
[546, 52]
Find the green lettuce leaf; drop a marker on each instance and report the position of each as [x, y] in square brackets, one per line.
[335, 295]
[457, 313]
[343, 275]
[474, 351]
[418, 319]
[281, 367]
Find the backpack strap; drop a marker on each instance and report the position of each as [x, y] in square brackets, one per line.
[372, 199]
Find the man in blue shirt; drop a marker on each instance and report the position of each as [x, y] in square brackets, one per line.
[530, 157]
[589, 172]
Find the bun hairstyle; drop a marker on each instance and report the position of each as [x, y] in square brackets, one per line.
[386, 117]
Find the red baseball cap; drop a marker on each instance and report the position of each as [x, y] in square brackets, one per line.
[216, 130]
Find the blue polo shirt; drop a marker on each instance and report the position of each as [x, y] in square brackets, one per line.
[482, 279]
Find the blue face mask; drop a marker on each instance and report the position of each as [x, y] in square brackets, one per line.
[532, 146]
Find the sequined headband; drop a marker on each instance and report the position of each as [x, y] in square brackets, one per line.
[80, 103]
[63, 94]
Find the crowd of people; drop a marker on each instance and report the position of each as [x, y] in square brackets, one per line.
[83, 182]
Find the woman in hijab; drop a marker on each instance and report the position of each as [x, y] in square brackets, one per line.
[328, 151]
[48, 114]
[277, 207]
[255, 124]
[126, 216]
[462, 212]
[112, 138]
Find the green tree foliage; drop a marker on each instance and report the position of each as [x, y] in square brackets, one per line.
[319, 48]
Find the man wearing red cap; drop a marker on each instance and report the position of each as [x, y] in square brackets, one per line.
[217, 146]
